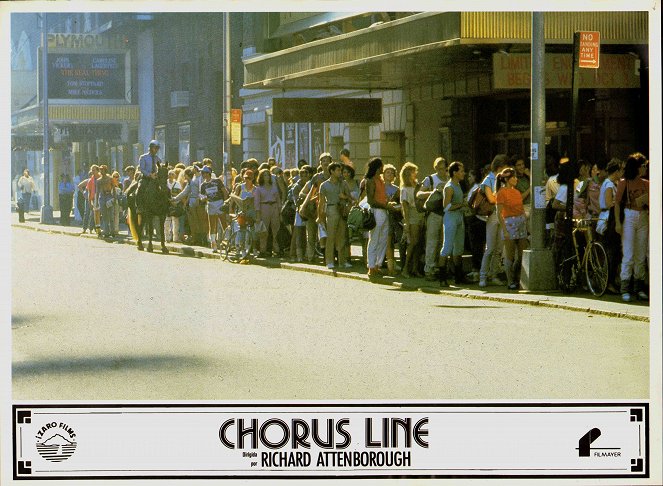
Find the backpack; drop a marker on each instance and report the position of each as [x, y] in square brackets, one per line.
[360, 219]
[288, 212]
[480, 203]
[420, 204]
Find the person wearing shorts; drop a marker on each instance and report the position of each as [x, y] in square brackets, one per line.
[513, 223]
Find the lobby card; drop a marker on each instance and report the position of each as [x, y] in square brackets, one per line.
[399, 440]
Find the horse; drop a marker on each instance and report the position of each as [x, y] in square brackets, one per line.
[153, 200]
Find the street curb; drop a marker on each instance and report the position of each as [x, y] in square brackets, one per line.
[187, 251]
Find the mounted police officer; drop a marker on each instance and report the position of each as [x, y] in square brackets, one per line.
[148, 166]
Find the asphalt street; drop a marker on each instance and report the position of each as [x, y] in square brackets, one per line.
[99, 321]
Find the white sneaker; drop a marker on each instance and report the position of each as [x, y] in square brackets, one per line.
[642, 295]
[483, 283]
[347, 265]
[330, 266]
[626, 297]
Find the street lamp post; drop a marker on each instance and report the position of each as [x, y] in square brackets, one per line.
[46, 216]
[227, 98]
[538, 267]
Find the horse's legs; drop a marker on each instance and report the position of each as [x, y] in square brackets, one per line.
[162, 223]
[150, 229]
[139, 231]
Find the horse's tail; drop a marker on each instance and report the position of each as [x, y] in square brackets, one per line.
[132, 227]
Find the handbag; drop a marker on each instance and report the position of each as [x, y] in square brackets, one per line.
[480, 203]
[434, 202]
[309, 208]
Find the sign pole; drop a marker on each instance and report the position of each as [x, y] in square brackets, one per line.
[573, 137]
[46, 215]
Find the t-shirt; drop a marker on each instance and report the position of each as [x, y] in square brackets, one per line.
[607, 185]
[636, 188]
[511, 202]
[265, 195]
[213, 189]
[331, 191]
[407, 195]
[522, 185]
[390, 190]
[552, 186]
[437, 180]
[579, 205]
[174, 187]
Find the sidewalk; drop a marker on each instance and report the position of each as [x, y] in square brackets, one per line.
[581, 301]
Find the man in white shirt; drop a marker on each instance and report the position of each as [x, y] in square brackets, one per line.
[434, 228]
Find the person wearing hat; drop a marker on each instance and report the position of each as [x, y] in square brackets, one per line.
[214, 193]
[149, 163]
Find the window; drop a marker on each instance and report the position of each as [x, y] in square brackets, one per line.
[160, 136]
[184, 143]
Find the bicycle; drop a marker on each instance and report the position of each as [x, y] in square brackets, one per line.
[238, 238]
[592, 261]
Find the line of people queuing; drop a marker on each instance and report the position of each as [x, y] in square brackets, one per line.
[432, 220]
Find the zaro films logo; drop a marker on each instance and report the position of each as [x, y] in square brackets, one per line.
[56, 442]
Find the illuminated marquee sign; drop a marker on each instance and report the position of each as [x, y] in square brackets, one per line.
[89, 76]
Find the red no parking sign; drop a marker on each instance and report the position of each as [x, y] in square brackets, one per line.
[588, 56]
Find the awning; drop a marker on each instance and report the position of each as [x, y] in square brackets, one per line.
[428, 47]
[315, 21]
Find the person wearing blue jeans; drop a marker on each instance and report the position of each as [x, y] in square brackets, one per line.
[454, 224]
[491, 257]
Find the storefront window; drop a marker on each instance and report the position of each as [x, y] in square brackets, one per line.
[290, 142]
[160, 136]
[184, 141]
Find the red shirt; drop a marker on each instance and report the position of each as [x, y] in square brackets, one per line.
[91, 188]
[380, 192]
[511, 201]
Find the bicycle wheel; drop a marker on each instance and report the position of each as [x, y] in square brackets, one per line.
[567, 267]
[225, 243]
[233, 251]
[596, 268]
[567, 275]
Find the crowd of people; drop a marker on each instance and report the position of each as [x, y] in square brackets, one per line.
[430, 220]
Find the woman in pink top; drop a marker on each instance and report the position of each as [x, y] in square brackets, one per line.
[633, 196]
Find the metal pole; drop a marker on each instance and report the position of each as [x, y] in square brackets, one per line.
[46, 216]
[537, 264]
[227, 93]
[538, 127]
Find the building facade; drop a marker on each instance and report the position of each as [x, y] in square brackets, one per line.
[451, 83]
[100, 92]
[189, 88]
